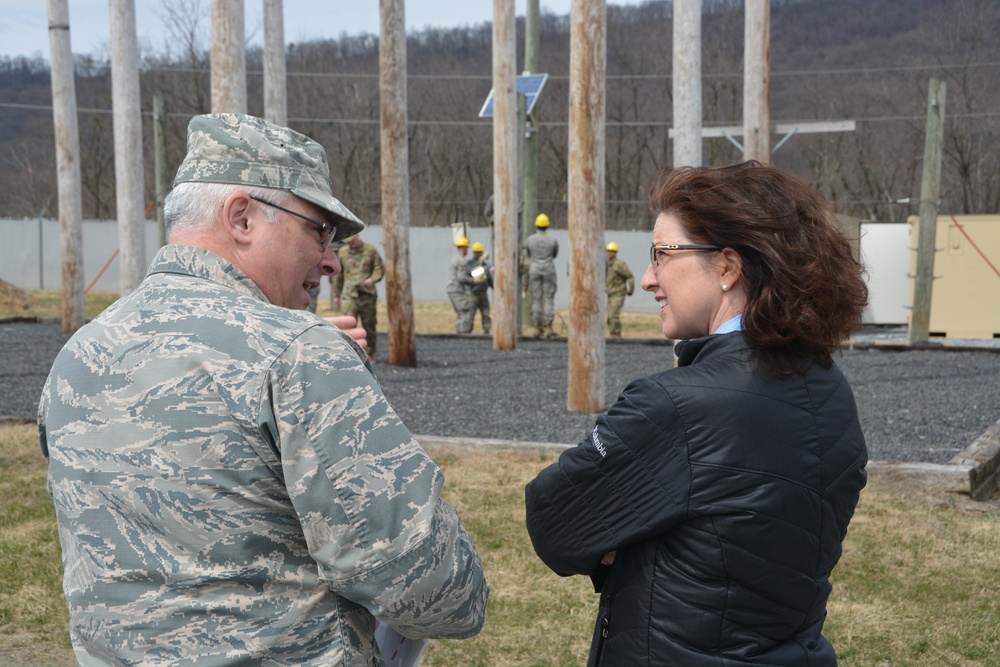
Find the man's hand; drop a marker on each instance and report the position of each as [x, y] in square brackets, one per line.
[347, 324]
[369, 283]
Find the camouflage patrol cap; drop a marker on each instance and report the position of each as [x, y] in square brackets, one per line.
[245, 150]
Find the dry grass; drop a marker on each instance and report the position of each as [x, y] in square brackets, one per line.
[916, 587]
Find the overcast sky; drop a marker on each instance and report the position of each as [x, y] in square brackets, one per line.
[24, 23]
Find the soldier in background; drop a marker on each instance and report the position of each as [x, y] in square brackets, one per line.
[230, 484]
[619, 283]
[541, 250]
[459, 280]
[353, 288]
[482, 281]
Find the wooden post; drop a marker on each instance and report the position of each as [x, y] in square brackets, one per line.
[67, 136]
[687, 83]
[395, 183]
[128, 146]
[585, 196]
[757, 81]
[505, 278]
[275, 86]
[930, 185]
[529, 156]
[160, 162]
[229, 69]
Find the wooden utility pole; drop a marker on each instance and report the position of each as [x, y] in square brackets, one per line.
[585, 196]
[160, 163]
[505, 279]
[531, 44]
[930, 185]
[128, 146]
[757, 81]
[396, 183]
[275, 86]
[687, 83]
[67, 135]
[229, 69]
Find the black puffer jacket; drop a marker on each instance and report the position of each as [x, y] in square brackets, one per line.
[727, 494]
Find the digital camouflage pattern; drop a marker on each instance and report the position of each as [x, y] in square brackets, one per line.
[542, 250]
[349, 286]
[232, 487]
[619, 283]
[270, 156]
[459, 279]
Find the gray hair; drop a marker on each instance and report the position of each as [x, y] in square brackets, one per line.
[193, 206]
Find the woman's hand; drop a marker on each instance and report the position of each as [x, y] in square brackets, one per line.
[347, 324]
[609, 558]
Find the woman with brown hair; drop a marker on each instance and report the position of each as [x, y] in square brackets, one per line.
[710, 503]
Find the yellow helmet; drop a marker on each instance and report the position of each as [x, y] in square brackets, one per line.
[612, 247]
[542, 221]
[462, 242]
[477, 247]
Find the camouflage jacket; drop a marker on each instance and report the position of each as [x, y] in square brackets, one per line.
[542, 250]
[365, 262]
[459, 276]
[231, 486]
[619, 279]
[482, 283]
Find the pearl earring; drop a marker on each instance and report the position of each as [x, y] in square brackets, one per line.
[725, 288]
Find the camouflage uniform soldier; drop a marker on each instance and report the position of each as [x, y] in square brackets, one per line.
[619, 283]
[459, 279]
[542, 250]
[482, 281]
[354, 288]
[230, 484]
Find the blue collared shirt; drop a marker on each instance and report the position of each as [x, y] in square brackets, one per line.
[735, 324]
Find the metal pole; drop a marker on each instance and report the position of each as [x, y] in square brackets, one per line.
[586, 202]
[504, 176]
[930, 185]
[395, 183]
[160, 163]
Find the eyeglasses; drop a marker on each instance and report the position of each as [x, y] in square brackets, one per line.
[657, 249]
[327, 231]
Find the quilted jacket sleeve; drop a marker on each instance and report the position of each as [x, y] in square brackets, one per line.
[627, 482]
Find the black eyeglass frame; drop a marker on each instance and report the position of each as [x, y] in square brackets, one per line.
[330, 230]
[678, 246]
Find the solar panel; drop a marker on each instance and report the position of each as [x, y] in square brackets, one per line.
[529, 85]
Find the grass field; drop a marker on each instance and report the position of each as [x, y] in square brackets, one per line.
[917, 586]
[429, 317]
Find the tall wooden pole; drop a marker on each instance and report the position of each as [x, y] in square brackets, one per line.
[588, 261]
[275, 85]
[128, 145]
[687, 83]
[67, 166]
[229, 69]
[757, 81]
[396, 183]
[505, 281]
[930, 186]
[531, 44]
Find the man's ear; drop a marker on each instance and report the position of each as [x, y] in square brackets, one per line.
[236, 221]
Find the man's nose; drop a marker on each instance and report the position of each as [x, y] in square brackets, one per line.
[329, 263]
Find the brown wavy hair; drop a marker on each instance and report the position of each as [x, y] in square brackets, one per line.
[805, 289]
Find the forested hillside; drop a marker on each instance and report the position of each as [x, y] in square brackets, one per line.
[863, 60]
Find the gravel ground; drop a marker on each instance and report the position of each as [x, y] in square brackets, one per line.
[916, 406]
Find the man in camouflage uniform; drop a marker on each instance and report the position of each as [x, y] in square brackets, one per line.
[354, 287]
[482, 281]
[459, 280]
[620, 283]
[541, 250]
[230, 484]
